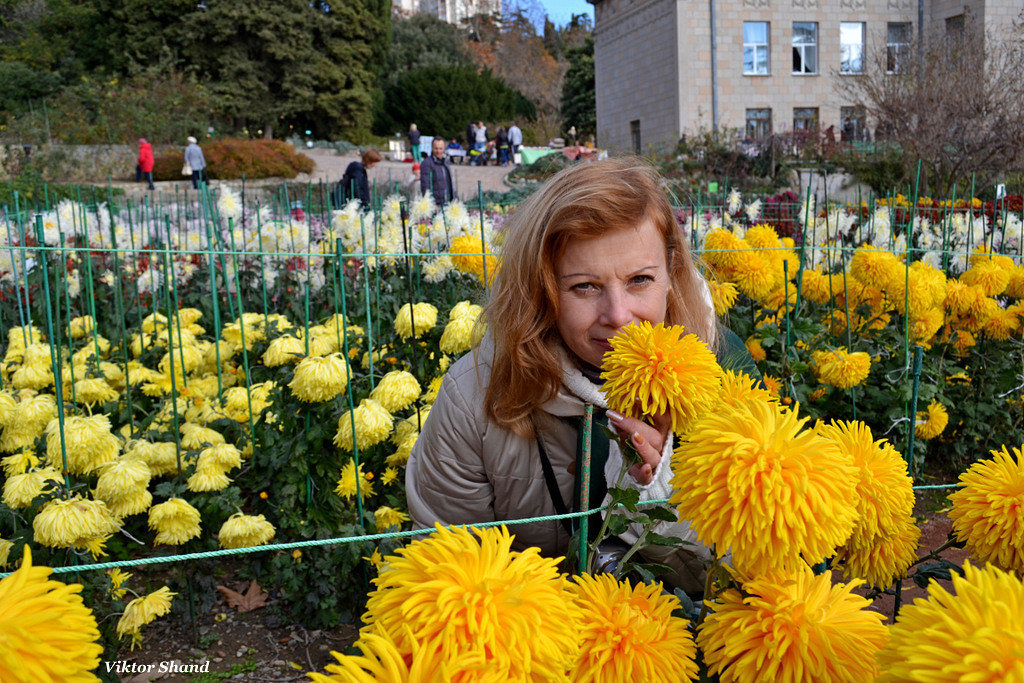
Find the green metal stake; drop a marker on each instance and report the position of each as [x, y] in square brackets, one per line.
[918, 354]
[588, 422]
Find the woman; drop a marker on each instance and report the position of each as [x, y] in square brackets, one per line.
[196, 161]
[595, 249]
[501, 142]
[355, 184]
[145, 163]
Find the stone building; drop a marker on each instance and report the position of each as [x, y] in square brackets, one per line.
[667, 67]
[457, 11]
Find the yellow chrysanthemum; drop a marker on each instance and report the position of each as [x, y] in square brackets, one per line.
[756, 276]
[320, 379]
[461, 592]
[738, 387]
[283, 350]
[396, 390]
[88, 443]
[75, 522]
[402, 453]
[387, 517]
[243, 531]
[841, 369]
[430, 395]
[458, 336]
[885, 491]
[872, 266]
[815, 287]
[195, 437]
[381, 661]
[424, 315]
[122, 486]
[162, 458]
[390, 476]
[5, 551]
[722, 249]
[792, 626]
[470, 255]
[142, 611]
[723, 295]
[628, 633]
[751, 481]
[21, 489]
[975, 635]
[988, 509]
[208, 479]
[651, 370]
[346, 487]
[753, 345]
[46, 631]
[988, 276]
[884, 559]
[372, 425]
[92, 390]
[175, 521]
[931, 422]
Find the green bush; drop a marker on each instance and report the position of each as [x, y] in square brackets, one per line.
[233, 159]
[35, 193]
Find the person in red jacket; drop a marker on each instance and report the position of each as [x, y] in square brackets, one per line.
[145, 167]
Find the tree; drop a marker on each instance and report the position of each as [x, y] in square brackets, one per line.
[578, 103]
[441, 99]
[956, 103]
[423, 40]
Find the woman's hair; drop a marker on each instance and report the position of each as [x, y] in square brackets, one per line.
[583, 201]
[370, 156]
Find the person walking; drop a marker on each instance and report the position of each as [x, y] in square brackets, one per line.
[435, 175]
[515, 139]
[355, 184]
[414, 143]
[480, 142]
[145, 163]
[196, 161]
[501, 142]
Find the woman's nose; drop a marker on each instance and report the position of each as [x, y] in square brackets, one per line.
[616, 312]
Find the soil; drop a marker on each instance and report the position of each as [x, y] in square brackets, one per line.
[229, 645]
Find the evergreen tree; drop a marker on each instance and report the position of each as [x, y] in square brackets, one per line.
[578, 102]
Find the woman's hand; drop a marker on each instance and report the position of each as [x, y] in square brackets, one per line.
[648, 440]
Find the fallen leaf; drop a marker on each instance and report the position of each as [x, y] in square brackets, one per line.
[254, 597]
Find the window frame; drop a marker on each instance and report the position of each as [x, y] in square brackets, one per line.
[757, 123]
[804, 49]
[896, 51]
[859, 118]
[843, 47]
[815, 117]
[766, 46]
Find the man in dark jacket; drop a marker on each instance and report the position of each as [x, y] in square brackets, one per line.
[435, 176]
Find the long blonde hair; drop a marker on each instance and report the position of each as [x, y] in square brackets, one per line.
[583, 201]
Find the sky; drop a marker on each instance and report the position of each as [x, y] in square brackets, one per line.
[560, 11]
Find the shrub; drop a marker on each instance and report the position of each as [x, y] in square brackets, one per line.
[35, 193]
[231, 159]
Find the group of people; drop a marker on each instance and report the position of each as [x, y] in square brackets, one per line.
[194, 163]
[502, 148]
[431, 175]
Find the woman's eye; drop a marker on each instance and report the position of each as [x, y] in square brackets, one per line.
[642, 279]
[582, 287]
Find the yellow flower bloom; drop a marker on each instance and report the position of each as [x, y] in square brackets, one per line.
[883, 560]
[75, 522]
[738, 387]
[668, 372]
[88, 443]
[117, 579]
[320, 379]
[424, 315]
[122, 486]
[5, 551]
[243, 531]
[470, 255]
[21, 489]
[750, 480]
[792, 626]
[972, 634]
[756, 350]
[162, 458]
[462, 593]
[988, 276]
[382, 661]
[46, 631]
[195, 437]
[396, 390]
[840, 368]
[931, 422]
[346, 487]
[988, 509]
[92, 390]
[723, 295]
[387, 517]
[208, 479]
[175, 522]
[458, 336]
[283, 350]
[389, 476]
[142, 611]
[430, 395]
[628, 633]
[372, 425]
[401, 455]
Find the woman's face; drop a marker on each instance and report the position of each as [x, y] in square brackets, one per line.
[607, 282]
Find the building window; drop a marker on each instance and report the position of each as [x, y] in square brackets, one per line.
[851, 47]
[897, 44]
[805, 47]
[854, 124]
[634, 135]
[755, 48]
[759, 123]
[805, 118]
